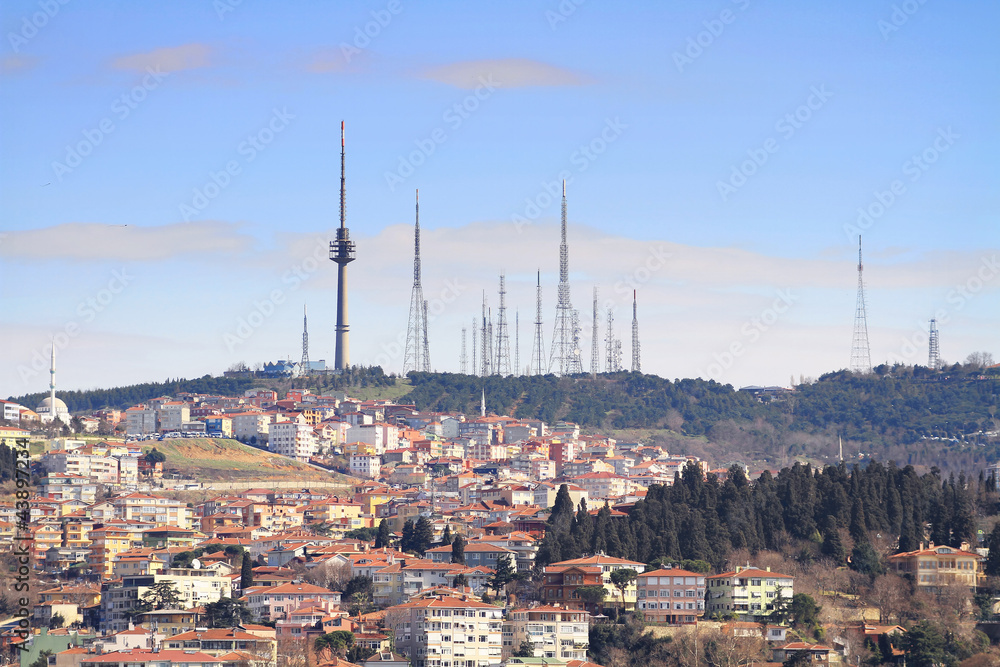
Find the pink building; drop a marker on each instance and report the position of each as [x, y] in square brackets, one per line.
[671, 596]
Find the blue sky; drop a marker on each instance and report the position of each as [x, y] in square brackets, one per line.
[718, 154]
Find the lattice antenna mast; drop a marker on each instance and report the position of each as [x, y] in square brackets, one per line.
[427, 345]
[612, 364]
[474, 330]
[486, 343]
[933, 348]
[636, 361]
[564, 357]
[413, 352]
[861, 361]
[304, 364]
[502, 365]
[342, 251]
[463, 367]
[489, 342]
[537, 342]
[595, 341]
[517, 343]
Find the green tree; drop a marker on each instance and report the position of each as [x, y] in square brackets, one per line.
[358, 654]
[366, 534]
[503, 574]
[246, 572]
[458, 550]
[621, 578]
[57, 621]
[832, 545]
[865, 559]
[42, 660]
[383, 538]
[804, 611]
[924, 645]
[460, 581]
[592, 596]
[154, 456]
[336, 642]
[227, 612]
[423, 535]
[992, 565]
[446, 537]
[525, 650]
[162, 595]
[406, 541]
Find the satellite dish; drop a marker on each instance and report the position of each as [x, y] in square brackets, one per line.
[196, 564]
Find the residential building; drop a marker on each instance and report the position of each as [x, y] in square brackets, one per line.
[293, 439]
[562, 580]
[936, 567]
[447, 631]
[554, 630]
[749, 592]
[195, 588]
[671, 596]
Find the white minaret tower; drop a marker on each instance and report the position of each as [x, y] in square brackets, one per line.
[52, 383]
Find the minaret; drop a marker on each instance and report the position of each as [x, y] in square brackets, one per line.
[482, 404]
[933, 347]
[342, 252]
[52, 384]
[413, 352]
[636, 363]
[861, 361]
[304, 364]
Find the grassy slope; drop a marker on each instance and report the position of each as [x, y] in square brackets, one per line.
[218, 459]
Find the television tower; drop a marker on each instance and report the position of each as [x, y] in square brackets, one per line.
[413, 351]
[517, 343]
[537, 343]
[614, 348]
[933, 349]
[502, 364]
[304, 364]
[636, 365]
[474, 369]
[595, 347]
[342, 252]
[462, 359]
[486, 347]
[861, 361]
[427, 345]
[564, 357]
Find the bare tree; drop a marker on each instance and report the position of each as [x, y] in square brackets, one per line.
[889, 596]
[294, 653]
[726, 649]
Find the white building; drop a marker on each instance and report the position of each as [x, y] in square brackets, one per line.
[140, 420]
[366, 465]
[172, 416]
[195, 587]
[292, 439]
[247, 425]
[446, 631]
[380, 435]
[554, 631]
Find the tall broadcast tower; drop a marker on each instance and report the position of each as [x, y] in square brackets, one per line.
[861, 361]
[595, 342]
[342, 252]
[933, 348]
[304, 364]
[501, 365]
[564, 358]
[413, 353]
[537, 342]
[636, 363]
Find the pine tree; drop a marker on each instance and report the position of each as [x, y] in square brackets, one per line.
[246, 572]
[858, 529]
[423, 535]
[406, 542]
[458, 550]
[383, 538]
[832, 545]
[446, 535]
[992, 565]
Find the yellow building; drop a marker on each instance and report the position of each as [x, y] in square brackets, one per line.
[935, 568]
[748, 592]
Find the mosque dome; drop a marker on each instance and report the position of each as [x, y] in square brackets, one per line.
[44, 409]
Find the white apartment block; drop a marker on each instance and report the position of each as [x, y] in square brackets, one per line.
[196, 588]
[366, 465]
[554, 631]
[172, 416]
[292, 439]
[247, 425]
[140, 420]
[102, 468]
[445, 631]
[153, 509]
[380, 435]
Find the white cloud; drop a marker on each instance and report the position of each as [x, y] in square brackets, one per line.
[167, 59]
[92, 241]
[504, 73]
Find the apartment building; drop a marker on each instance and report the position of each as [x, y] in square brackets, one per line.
[140, 420]
[293, 439]
[172, 415]
[554, 630]
[153, 509]
[195, 588]
[447, 631]
[749, 592]
[671, 596]
[562, 580]
[366, 465]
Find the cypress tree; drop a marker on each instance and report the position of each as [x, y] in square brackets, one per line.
[382, 537]
[246, 572]
[458, 550]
